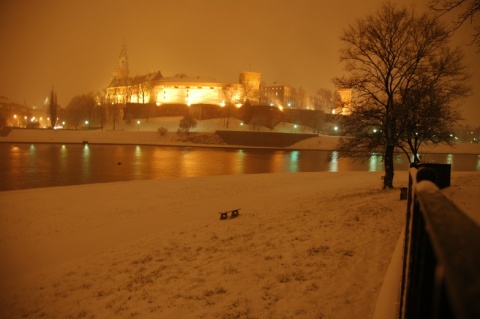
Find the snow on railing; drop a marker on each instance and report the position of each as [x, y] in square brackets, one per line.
[441, 262]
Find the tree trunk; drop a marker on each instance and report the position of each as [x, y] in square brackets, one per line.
[389, 172]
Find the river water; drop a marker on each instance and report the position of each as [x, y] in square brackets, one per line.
[24, 166]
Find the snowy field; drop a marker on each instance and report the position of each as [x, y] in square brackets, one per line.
[305, 245]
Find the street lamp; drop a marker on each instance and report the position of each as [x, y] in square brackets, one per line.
[86, 124]
[138, 125]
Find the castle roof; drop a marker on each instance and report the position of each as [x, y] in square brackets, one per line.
[139, 79]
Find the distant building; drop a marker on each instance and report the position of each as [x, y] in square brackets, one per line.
[154, 88]
[281, 96]
[179, 89]
[18, 115]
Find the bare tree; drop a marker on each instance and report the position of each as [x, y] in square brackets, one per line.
[466, 11]
[427, 111]
[300, 98]
[102, 101]
[401, 70]
[80, 108]
[53, 108]
[144, 89]
[327, 100]
[229, 95]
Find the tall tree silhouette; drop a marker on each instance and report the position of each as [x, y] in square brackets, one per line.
[53, 108]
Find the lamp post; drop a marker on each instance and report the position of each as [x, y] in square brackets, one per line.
[138, 125]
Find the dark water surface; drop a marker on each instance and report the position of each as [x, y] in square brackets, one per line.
[25, 166]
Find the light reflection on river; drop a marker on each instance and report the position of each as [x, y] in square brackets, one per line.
[41, 165]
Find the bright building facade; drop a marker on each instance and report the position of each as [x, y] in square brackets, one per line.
[180, 89]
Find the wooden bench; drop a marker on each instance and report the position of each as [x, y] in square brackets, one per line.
[233, 213]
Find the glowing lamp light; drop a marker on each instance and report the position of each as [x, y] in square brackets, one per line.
[222, 104]
[335, 128]
[280, 108]
[238, 105]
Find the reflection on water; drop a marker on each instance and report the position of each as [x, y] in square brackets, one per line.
[137, 163]
[449, 159]
[41, 165]
[333, 167]
[373, 163]
[86, 164]
[239, 164]
[294, 161]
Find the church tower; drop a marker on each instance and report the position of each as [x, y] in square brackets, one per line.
[121, 71]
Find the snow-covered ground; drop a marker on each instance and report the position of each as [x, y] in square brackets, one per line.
[305, 245]
[146, 133]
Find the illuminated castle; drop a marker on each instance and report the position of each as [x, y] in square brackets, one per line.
[179, 89]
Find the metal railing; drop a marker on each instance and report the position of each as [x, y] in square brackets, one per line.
[441, 264]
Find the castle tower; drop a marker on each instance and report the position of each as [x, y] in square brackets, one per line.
[251, 85]
[121, 71]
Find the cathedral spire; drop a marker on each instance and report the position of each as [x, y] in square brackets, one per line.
[121, 71]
